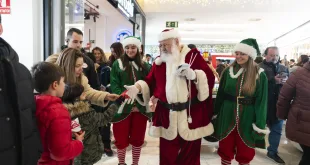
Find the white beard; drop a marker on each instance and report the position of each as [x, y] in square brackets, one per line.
[176, 87]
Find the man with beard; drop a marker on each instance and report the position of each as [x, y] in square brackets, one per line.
[277, 75]
[180, 84]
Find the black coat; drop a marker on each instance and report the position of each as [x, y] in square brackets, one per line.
[19, 137]
[271, 70]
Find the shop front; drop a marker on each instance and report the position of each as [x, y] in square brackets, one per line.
[111, 21]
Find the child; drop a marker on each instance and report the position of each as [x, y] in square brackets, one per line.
[53, 119]
[90, 121]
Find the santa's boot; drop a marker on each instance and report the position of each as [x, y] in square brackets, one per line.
[136, 151]
[121, 155]
[226, 162]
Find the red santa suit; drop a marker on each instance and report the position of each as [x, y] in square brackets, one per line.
[180, 139]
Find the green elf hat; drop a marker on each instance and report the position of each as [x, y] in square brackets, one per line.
[132, 40]
[248, 46]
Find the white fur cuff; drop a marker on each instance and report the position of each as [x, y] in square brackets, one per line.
[263, 131]
[202, 85]
[145, 90]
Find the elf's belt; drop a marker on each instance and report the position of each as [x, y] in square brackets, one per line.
[178, 106]
[241, 100]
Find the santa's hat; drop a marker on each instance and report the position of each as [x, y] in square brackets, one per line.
[248, 46]
[168, 33]
[131, 40]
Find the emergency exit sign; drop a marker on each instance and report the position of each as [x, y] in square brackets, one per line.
[170, 24]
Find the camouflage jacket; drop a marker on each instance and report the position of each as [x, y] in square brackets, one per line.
[90, 121]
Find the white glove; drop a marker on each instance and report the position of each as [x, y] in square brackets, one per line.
[189, 74]
[132, 92]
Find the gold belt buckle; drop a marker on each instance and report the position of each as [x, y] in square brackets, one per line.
[239, 97]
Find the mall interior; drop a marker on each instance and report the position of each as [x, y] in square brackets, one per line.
[36, 29]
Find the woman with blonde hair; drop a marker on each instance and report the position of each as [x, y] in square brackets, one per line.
[71, 61]
[241, 106]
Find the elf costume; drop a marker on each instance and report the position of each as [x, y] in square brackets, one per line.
[129, 127]
[240, 118]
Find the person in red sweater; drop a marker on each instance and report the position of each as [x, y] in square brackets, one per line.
[53, 118]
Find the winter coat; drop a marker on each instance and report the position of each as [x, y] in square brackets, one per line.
[89, 71]
[19, 137]
[55, 130]
[271, 70]
[293, 105]
[90, 121]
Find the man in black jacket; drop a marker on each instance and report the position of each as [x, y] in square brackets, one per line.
[19, 137]
[75, 40]
[277, 75]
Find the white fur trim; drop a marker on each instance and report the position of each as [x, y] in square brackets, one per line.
[247, 49]
[135, 65]
[202, 85]
[131, 41]
[178, 124]
[170, 133]
[120, 63]
[121, 108]
[259, 72]
[192, 134]
[158, 61]
[231, 72]
[173, 33]
[263, 131]
[145, 94]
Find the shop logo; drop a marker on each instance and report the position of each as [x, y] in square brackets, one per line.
[122, 34]
[5, 6]
[126, 6]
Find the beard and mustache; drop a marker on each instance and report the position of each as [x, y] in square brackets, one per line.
[173, 57]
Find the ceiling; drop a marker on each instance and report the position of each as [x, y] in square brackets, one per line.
[225, 21]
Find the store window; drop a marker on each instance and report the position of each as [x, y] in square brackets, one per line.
[74, 15]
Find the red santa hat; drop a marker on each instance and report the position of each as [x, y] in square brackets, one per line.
[168, 33]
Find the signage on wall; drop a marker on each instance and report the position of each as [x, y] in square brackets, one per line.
[126, 6]
[170, 24]
[122, 34]
[5, 6]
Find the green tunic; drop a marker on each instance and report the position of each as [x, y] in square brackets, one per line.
[230, 117]
[118, 78]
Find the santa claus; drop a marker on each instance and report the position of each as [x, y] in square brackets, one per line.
[180, 83]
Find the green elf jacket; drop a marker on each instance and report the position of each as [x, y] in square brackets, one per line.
[250, 120]
[118, 78]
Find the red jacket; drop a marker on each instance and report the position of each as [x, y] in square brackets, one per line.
[54, 124]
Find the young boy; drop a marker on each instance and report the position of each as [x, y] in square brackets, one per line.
[53, 118]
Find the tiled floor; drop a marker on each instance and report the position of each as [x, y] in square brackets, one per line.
[150, 152]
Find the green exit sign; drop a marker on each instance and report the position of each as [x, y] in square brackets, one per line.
[171, 24]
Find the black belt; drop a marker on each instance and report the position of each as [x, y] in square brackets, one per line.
[241, 100]
[179, 106]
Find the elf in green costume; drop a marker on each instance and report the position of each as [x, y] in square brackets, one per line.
[129, 123]
[241, 106]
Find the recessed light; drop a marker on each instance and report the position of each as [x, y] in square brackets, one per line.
[255, 19]
[190, 19]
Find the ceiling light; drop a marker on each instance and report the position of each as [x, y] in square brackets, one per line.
[223, 26]
[255, 19]
[212, 2]
[190, 19]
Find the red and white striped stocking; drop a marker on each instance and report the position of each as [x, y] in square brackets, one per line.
[121, 154]
[136, 151]
[226, 162]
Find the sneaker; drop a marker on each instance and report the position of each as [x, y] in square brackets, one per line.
[275, 158]
[108, 152]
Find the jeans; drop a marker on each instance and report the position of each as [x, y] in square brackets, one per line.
[274, 137]
[305, 160]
